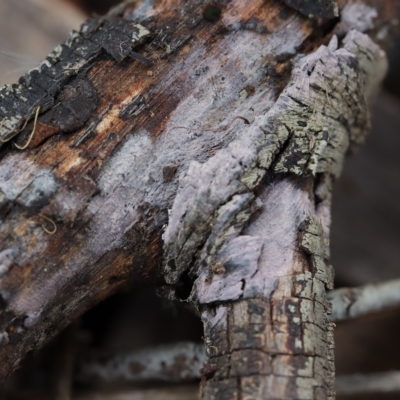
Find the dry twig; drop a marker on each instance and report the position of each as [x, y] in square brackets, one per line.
[355, 302]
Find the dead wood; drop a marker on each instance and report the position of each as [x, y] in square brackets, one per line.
[189, 146]
[169, 393]
[355, 302]
[177, 362]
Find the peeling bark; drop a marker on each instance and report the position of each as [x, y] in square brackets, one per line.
[271, 268]
[194, 137]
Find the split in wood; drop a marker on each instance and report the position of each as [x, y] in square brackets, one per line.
[91, 128]
[246, 121]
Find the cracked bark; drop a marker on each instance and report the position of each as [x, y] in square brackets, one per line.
[237, 208]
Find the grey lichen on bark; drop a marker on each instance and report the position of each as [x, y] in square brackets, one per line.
[355, 302]
[251, 227]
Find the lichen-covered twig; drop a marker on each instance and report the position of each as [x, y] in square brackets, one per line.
[177, 362]
[383, 382]
[355, 302]
[185, 361]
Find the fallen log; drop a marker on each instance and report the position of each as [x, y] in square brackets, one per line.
[193, 146]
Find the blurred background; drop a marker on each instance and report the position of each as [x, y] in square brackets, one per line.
[365, 232]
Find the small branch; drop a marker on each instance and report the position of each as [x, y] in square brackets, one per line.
[176, 362]
[384, 382]
[355, 302]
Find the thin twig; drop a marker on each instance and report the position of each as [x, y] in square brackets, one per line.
[32, 133]
[355, 302]
[176, 362]
[384, 382]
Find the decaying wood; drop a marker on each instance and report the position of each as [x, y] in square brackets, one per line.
[383, 382]
[355, 302]
[194, 144]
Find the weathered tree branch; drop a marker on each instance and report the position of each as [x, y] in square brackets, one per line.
[236, 208]
[176, 362]
[355, 302]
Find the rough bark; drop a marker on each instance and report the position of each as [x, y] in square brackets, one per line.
[182, 136]
[271, 338]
